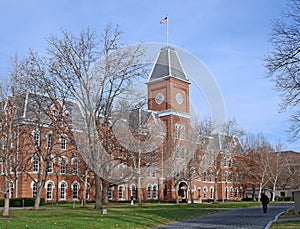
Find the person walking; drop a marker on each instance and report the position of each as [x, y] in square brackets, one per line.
[131, 200]
[264, 201]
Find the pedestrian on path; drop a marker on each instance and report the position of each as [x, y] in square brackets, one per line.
[264, 201]
[131, 200]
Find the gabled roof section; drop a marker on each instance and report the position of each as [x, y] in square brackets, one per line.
[167, 64]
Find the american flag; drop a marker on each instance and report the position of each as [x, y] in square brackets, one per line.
[163, 21]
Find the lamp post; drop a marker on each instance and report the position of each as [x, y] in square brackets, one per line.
[56, 203]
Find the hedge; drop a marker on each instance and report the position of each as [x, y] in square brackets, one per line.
[21, 202]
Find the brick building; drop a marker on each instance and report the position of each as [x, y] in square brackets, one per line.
[32, 131]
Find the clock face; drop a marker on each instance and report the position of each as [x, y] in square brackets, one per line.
[159, 98]
[179, 98]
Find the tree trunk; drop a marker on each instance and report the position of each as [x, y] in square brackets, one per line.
[85, 188]
[98, 197]
[38, 197]
[176, 192]
[191, 193]
[139, 190]
[6, 205]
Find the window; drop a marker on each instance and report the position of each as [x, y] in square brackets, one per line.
[154, 190]
[149, 191]
[211, 193]
[231, 192]
[205, 192]
[236, 193]
[210, 176]
[35, 163]
[241, 193]
[50, 164]
[225, 161]
[226, 176]
[49, 191]
[34, 189]
[154, 173]
[63, 142]
[179, 131]
[230, 162]
[226, 193]
[11, 163]
[3, 141]
[110, 193]
[49, 140]
[121, 197]
[11, 189]
[177, 148]
[36, 139]
[133, 190]
[63, 188]
[75, 165]
[63, 165]
[148, 172]
[204, 175]
[183, 152]
[75, 188]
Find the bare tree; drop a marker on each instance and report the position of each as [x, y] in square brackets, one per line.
[283, 63]
[8, 156]
[94, 76]
[44, 118]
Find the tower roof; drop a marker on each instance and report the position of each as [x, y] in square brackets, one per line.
[167, 64]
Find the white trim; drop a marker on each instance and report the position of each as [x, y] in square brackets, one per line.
[173, 112]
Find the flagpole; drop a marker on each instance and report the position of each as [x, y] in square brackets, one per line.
[167, 31]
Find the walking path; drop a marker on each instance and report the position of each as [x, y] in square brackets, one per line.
[253, 218]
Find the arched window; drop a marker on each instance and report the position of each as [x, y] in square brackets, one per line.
[36, 139]
[75, 188]
[49, 190]
[204, 176]
[211, 192]
[63, 165]
[226, 193]
[50, 162]
[34, 189]
[63, 142]
[121, 194]
[75, 165]
[241, 193]
[35, 163]
[236, 193]
[231, 192]
[110, 192]
[49, 140]
[210, 176]
[205, 192]
[154, 191]
[133, 190]
[149, 191]
[63, 189]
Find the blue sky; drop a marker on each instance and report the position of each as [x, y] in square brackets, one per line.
[230, 37]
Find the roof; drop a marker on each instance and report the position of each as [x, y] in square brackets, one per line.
[167, 64]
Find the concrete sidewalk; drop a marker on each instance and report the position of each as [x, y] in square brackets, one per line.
[234, 219]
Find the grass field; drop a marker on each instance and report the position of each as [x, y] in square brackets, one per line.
[123, 216]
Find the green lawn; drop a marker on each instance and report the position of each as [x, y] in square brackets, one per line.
[290, 224]
[123, 216]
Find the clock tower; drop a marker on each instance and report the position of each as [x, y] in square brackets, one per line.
[168, 96]
[168, 85]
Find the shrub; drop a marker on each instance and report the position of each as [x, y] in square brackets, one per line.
[21, 202]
